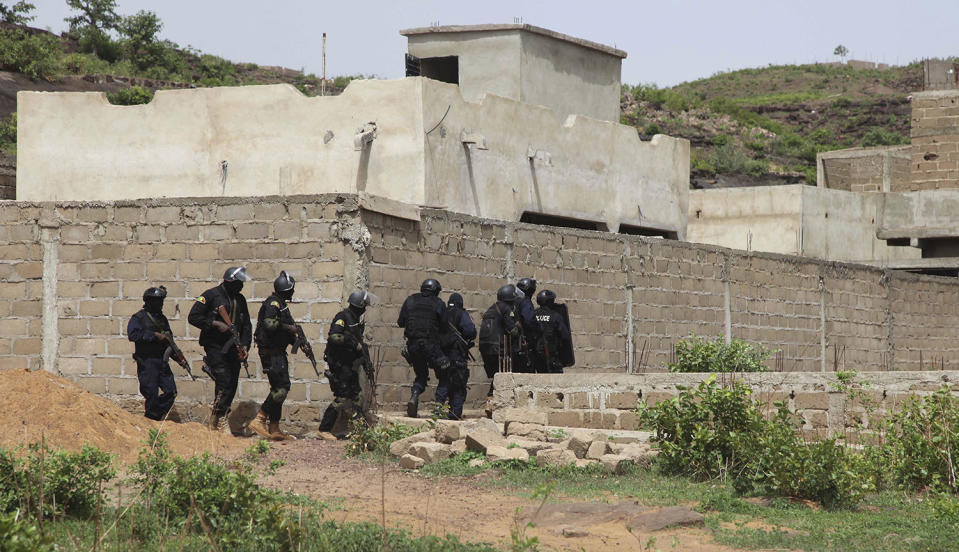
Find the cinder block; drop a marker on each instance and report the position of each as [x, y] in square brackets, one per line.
[26, 346]
[269, 211]
[29, 270]
[92, 384]
[253, 231]
[73, 365]
[107, 366]
[234, 212]
[13, 327]
[163, 215]
[90, 346]
[123, 386]
[105, 289]
[566, 418]
[814, 401]
[27, 308]
[622, 400]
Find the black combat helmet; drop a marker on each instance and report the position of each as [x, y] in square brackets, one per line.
[527, 286]
[456, 300]
[507, 293]
[284, 283]
[154, 294]
[545, 298]
[359, 299]
[153, 299]
[236, 274]
[431, 287]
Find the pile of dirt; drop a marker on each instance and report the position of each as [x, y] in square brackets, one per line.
[42, 405]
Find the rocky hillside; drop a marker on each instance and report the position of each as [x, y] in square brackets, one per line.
[765, 126]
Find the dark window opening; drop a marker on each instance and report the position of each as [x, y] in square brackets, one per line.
[645, 231]
[412, 66]
[445, 69]
[564, 222]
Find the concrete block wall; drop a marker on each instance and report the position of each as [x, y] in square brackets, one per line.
[878, 169]
[935, 141]
[609, 401]
[73, 273]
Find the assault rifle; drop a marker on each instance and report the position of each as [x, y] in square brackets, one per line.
[235, 340]
[461, 341]
[302, 344]
[367, 364]
[174, 352]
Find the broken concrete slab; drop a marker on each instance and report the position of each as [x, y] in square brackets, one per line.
[402, 446]
[530, 431]
[502, 454]
[579, 443]
[616, 463]
[410, 462]
[521, 415]
[597, 449]
[555, 457]
[431, 452]
[458, 447]
[481, 439]
[585, 462]
[447, 431]
[663, 518]
[531, 446]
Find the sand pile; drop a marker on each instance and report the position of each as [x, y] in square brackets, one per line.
[67, 416]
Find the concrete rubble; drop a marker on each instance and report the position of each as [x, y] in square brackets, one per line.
[523, 441]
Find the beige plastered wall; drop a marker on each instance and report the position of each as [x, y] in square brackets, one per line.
[795, 220]
[494, 158]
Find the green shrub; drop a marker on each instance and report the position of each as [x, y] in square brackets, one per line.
[877, 136]
[756, 167]
[653, 129]
[720, 140]
[35, 55]
[923, 441]
[135, 95]
[699, 354]
[20, 535]
[94, 41]
[8, 135]
[717, 431]
[72, 480]
[376, 439]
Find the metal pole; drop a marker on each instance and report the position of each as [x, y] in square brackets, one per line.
[323, 81]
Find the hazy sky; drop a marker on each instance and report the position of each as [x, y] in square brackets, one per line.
[668, 41]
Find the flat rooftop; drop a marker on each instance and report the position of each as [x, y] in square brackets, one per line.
[515, 27]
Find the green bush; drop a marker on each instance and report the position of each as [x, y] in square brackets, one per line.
[376, 440]
[94, 41]
[923, 443]
[756, 167]
[699, 354]
[35, 55]
[8, 135]
[135, 95]
[653, 129]
[20, 535]
[877, 136]
[72, 480]
[717, 431]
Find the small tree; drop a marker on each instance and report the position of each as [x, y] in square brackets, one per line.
[95, 18]
[18, 14]
[841, 51]
[141, 44]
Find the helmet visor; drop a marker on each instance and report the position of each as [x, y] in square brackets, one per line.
[238, 273]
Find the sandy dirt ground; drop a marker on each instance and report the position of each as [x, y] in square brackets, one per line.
[469, 508]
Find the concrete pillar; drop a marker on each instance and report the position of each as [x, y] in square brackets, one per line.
[50, 237]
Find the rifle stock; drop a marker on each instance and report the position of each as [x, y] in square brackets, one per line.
[221, 310]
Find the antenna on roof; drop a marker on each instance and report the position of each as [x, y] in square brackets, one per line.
[434, 23]
[518, 20]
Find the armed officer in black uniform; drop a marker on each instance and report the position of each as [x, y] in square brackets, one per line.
[423, 317]
[457, 342]
[223, 353]
[499, 336]
[527, 320]
[344, 350]
[275, 330]
[145, 330]
[553, 333]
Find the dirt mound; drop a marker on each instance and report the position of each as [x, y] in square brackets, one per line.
[66, 416]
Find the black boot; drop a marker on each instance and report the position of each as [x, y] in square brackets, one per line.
[413, 406]
[329, 418]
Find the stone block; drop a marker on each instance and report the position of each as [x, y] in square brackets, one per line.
[622, 400]
[536, 432]
[430, 451]
[616, 463]
[410, 462]
[521, 415]
[531, 446]
[477, 463]
[480, 439]
[502, 454]
[458, 447]
[585, 462]
[447, 431]
[402, 446]
[597, 449]
[815, 401]
[565, 418]
[579, 443]
[555, 457]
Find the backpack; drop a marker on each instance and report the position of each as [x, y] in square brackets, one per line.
[491, 331]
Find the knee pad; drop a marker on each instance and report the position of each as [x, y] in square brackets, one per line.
[279, 395]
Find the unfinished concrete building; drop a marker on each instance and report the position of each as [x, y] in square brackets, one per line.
[508, 122]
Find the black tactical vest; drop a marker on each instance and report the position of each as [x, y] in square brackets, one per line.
[422, 321]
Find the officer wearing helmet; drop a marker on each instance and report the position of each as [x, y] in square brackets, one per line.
[546, 355]
[146, 330]
[499, 336]
[275, 330]
[457, 341]
[223, 355]
[423, 319]
[344, 347]
[524, 313]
